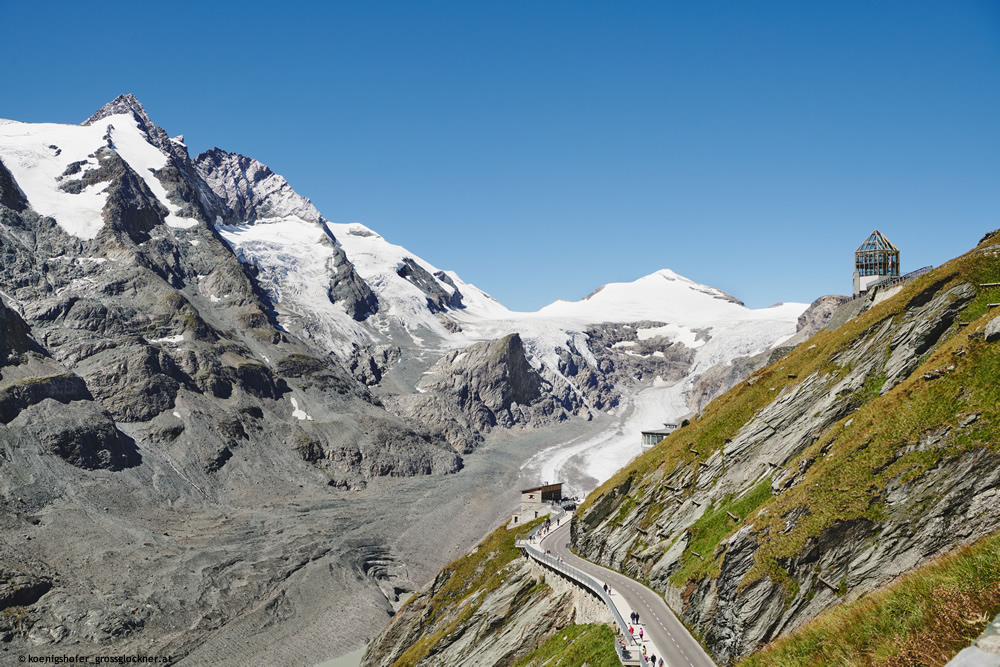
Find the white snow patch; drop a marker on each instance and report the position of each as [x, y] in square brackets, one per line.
[295, 261]
[169, 339]
[299, 414]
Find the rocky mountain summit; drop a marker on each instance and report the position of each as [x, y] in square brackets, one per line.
[192, 354]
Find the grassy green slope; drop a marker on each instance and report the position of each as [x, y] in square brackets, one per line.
[575, 645]
[862, 452]
[924, 618]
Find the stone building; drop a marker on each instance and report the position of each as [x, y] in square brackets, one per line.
[537, 501]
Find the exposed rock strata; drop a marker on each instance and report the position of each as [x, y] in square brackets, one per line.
[492, 384]
[919, 517]
[496, 627]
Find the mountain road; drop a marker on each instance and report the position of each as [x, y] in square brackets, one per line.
[663, 634]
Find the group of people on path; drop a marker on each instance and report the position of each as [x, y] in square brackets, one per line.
[634, 616]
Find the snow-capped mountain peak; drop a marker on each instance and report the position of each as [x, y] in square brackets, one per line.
[60, 168]
[345, 285]
[123, 105]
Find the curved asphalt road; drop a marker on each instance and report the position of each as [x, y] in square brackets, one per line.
[664, 635]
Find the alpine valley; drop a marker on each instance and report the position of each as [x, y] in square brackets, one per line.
[232, 431]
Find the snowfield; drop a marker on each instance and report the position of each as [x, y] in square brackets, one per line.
[37, 155]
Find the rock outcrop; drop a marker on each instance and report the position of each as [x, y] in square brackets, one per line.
[492, 384]
[438, 299]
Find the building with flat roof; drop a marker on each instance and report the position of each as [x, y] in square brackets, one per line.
[537, 501]
[653, 437]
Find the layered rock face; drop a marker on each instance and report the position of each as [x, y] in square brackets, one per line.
[869, 452]
[504, 624]
[490, 607]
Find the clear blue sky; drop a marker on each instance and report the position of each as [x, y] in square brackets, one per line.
[541, 149]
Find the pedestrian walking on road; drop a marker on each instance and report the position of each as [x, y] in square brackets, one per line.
[630, 631]
[637, 617]
[640, 634]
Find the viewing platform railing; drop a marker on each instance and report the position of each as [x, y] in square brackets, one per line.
[888, 281]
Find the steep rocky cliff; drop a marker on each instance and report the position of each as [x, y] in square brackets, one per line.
[489, 607]
[867, 450]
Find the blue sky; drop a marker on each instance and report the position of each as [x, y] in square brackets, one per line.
[541, 149]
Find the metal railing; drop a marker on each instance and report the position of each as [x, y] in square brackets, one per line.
[584, 579]
[888, 281]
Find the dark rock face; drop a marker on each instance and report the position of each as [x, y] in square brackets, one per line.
[11, 196]
[77, 432]
[347, 288]
[623, 359]
[14, 336]
[438, 298]
[46, 409]
[369, 364]
[250, 190]
[17, 396]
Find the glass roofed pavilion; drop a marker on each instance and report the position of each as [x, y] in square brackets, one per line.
[874, 260]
